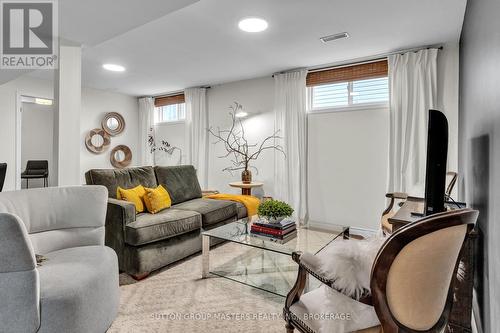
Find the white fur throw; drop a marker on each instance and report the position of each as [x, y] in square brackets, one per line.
[349, 262]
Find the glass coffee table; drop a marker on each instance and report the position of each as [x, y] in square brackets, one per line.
[259, 263]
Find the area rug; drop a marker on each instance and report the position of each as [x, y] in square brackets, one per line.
[176, 299]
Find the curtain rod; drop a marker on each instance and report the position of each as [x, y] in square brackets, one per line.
[172, 93]
[373, 58]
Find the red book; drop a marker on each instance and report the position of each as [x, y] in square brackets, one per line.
[271, 231]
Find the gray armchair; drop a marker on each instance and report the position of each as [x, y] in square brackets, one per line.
[76, 288]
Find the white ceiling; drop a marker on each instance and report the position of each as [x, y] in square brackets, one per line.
[165, 48]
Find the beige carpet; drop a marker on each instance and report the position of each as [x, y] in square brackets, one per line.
[176, 299]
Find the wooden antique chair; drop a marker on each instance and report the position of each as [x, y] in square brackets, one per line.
[397, 199]
[411, 281]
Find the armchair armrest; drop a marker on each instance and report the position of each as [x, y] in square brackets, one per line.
[19, 285]
[16, 252]
[394, 196]
[397, 195]
[120, 211]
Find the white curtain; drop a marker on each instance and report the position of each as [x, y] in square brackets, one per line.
[412, 80]
[197, 132]
[290, 175]
[146, 128]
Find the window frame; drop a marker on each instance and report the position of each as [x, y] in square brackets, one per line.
[342, 108]
[170, 122]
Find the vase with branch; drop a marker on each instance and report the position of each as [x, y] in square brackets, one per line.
[241, 153]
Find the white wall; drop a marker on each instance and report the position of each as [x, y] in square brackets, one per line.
[25, 86]
[347, 169]
[257, 98]
[68, 101]
[37, 138]
[95, 104]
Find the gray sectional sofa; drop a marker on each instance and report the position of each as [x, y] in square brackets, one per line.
[145, 242]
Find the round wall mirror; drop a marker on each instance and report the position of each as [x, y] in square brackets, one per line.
[121, 156]
[113, 123]
[97, 141]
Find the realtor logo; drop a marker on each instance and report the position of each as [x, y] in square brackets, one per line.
[29, 34]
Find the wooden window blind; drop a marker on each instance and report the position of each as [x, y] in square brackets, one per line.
[169, 100]
[349, 73]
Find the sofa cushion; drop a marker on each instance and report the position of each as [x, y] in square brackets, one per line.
[148, 228]
[79, 290]
[125, 178]
[181, 182]
[212, 211]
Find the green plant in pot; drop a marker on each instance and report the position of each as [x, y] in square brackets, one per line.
[274, 210]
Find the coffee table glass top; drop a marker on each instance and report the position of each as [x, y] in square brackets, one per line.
[260, 263]
[308, 239]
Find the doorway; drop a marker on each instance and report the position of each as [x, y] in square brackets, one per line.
[37, 154]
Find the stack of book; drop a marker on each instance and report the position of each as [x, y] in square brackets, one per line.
[280, 232]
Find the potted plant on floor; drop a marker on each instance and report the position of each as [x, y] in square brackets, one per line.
[274, 211]
[238, 149]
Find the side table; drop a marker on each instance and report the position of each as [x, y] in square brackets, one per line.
[246, 189]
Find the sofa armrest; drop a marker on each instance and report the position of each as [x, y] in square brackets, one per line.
[120, 211]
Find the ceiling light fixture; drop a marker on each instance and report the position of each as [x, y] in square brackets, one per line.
[241, 114]
[113, 67]
[331, 38]
[253, 24]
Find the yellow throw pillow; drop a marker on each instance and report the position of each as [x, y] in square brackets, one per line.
[134, 195]
[157, 199]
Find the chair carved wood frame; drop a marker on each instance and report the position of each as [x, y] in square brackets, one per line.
[383, 262]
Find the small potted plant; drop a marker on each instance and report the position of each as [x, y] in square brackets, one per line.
[274, 211]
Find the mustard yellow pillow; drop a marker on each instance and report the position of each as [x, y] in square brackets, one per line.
[157, 199]
[134, 195]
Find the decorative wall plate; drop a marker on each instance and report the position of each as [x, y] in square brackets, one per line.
[121, 156]
[113, 123]
[97, 141]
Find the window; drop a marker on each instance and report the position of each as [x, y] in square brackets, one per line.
[170, 113]
[352, 93]
[170, 109]
[344, 87]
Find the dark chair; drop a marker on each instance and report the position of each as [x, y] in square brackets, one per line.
[3, 171]
[36, 170]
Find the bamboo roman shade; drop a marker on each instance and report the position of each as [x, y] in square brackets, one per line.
[169, 100]
[348, 73]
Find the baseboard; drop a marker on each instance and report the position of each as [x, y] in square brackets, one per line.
[353, 230]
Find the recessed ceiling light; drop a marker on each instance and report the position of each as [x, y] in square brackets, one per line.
[253, 24]
[241, 114]
[331, 38]
[113, 67]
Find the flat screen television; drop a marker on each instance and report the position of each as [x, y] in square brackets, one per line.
[437, 156]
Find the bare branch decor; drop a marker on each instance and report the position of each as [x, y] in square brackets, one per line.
[164, 146]
[238, 150]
